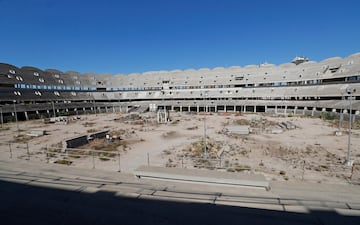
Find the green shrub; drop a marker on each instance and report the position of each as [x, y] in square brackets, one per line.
[63, 161]
[230, 170]
[328, 115]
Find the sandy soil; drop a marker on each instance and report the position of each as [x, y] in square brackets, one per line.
[310, 152]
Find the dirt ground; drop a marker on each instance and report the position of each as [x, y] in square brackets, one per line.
[311, 151]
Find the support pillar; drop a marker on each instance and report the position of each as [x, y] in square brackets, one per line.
[172, 107]
[244, 108]
[295, 109]
[197, 108]
[275, 109]
[254, 108]
[265, 108]
[180, 108]
[305, 108]
[1, 117]
[215, 108]
[234, 108]
[189, 108]
[285, 111]
[356, 114]
[313, 111]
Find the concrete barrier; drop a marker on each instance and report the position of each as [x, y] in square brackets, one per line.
[203, 176]
[76, 142]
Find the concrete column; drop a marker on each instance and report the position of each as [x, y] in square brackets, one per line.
[172, 107]
[295, 110]
[234, 108]
[244, 108]
[305, 108]
[357, 112]
[285, 111]
[333, 110]
[265, 108]
[313, 111]
[180, 108]
[275, 109]
[26, 115]
[1, 117]
[189, 108]
[215, 108]
[323, 109]
[254, 108]
[197, 108]
[106, 109]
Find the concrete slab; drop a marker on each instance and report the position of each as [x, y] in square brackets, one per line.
[89, 190]
[121, 188]
[182, 195]
[127, 195]
[348, 212]
[174, 199]
[203, 176]
[248, 199]
[146, 192]
[69, 187]
[252, 205]
[355, 206]
[296, 208]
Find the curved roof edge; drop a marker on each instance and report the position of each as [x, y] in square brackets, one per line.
[190, 70]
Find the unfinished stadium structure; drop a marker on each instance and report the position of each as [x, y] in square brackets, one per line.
[298, 87]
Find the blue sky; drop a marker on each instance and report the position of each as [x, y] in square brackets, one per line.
[125, 36]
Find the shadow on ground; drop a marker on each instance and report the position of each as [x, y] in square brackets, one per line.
[26, 204]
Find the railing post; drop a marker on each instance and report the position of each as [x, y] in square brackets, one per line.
[148, 159]
[27, 150]
[67, 157]
[303, 171]
[119, 161]
[352, 171]
[47, 154]
[10, 151]
[93, 159]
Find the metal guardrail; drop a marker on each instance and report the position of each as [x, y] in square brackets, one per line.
[23, 151]
[301, 170]
[76, 153]
[16, 149]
